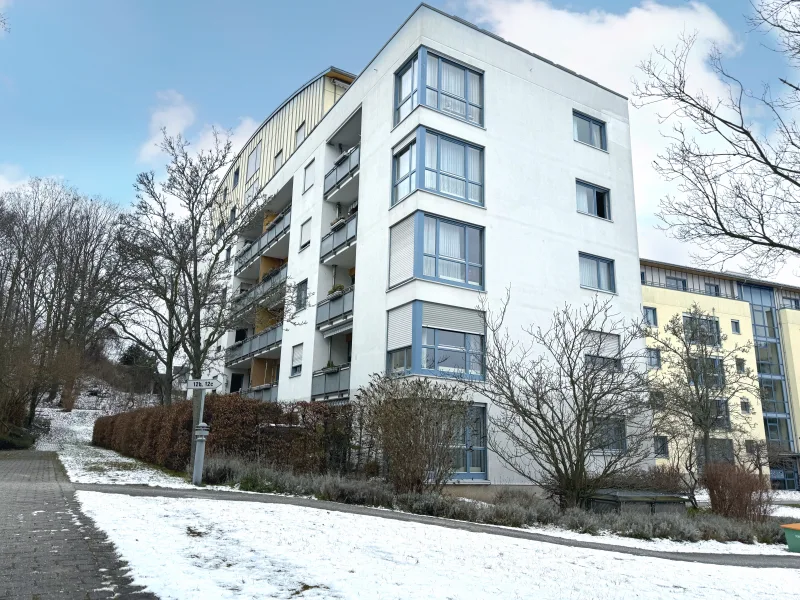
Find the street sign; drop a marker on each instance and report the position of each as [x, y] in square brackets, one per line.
[203, 384]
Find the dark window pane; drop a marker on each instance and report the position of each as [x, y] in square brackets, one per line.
[451, 360]
[474, 246]
[451, 339]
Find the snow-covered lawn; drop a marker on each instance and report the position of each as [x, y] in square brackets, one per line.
[790, 512]
[188, 548]
[71, 435]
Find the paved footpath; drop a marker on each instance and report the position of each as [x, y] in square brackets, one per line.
[48, 548]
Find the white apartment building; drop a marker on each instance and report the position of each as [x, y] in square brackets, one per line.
[456, 164]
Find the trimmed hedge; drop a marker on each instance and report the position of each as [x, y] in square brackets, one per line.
[304, 437]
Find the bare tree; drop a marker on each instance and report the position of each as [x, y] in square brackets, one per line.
[414, 424]
[570, 407]
[3, 23]
[699, 377]
[739, 179]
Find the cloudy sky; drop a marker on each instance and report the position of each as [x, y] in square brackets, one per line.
[85, 86]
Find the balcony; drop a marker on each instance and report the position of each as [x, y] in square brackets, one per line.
[335, 313]
[338, 246]
[269, 283]
[261, 343]
[266, 393]
[276, 231]
[332, 383]
[342, 179]
[717, 292]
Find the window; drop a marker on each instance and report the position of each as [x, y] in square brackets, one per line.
[300, 134]
[650, 316]
[308, 176]
[735, 326]
[228, 255]
[740, 365]
[453, 167]
[399, 361]
[792, 303]
[661, 446]
[454, 89]
[768, 358]
[405, 168]
[609, 435]
[709, 372]
[772, 396]
[751, 447]
[305, 234]
[277, 162]
[406, 97]
[452, 351]
[232, 216]
[301, 295]
[676, 283]
[593, 200]
[588, 130]
[452, 251]
[722, 418]
[253, 161]
[653, 358]
[597, 273]
[701, 330]
[712, 289]
[220, 230]
[469, 446]
[745, 406]
[657, 400]
[236, 178]
[602, 351]
[642, 277]
[297, 360]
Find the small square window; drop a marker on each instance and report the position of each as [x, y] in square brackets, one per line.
[653, 358]
[297, 360]
[308, 176]
[745, 406]
[740, 365]
[588, 130]
[650, 316]
[735, 326]
[661, 446]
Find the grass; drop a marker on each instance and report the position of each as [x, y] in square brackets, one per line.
[512, 508]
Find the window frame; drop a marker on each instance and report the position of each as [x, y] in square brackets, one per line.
[412, 64]
[466, 351]
[408, 361]
[421, 254]
[661, 446]
[423, 169]
[651, 354]
[650, 310]
[423, 98]
[576, 114]
[736, 327]
[413, 148]
[301, 303]
[305, 245]
[596, 423]
[275, 166]
[745, 406]
[715, 291]
[256, 164]
[612, 272]
[678, 279]
[296, 369]
[301, 127]
[470, 448]
[235, 178]
[595, 189]
[306, 185]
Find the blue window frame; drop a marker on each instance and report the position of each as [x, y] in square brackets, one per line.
[399, 361]
[593, 200]
[469, 448]
[451, 251]
[453, 167]
[449, 86]
[404, 169]
[597, 273]
[650, 316]
[588, 130]
[451, 353]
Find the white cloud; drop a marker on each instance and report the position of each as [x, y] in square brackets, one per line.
[11, 176]
[607, 47]
[172, 112]
[238, 135]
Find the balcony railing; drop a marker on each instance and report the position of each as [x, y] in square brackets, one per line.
[335, 309]
[274, 230]
[271, 281]
[257, 344]
[342, 236]
[331, 383]
[266, 393]
[718, 294]
[346, 166]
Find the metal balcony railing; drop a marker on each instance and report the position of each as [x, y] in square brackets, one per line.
[333, 382]
[274, 230]
[342, 236]
[717, 293]
[256, 344]
[345, 166]
[266, 393]
[338, 308]
[271, 281]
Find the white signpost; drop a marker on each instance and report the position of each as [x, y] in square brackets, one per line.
[201, 431]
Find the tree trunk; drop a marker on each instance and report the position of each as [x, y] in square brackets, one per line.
[68, 393]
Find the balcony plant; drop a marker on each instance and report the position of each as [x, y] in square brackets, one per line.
[330, 367]
[338, 223]
[336, 290]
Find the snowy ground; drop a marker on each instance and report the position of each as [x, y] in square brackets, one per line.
[791, 512]
[216, 549]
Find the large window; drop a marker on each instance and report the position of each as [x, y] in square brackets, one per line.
[253, 161]
[597, 273]
[701, 330]
[453, 167]
[301, 295]
[609, 435]
[593, 200]
[452, 352]
[768, 360]
[452, 251]
[650, 316]
[454, 89]
[405, 167]
[588, 130]
[676, 283]
[406, 97]
[469, 446]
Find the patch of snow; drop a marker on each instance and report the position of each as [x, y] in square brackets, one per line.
[190, 548]
[787, 495]
[786, 511]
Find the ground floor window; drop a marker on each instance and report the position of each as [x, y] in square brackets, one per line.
[469, 447]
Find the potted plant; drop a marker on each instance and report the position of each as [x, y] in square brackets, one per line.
[337, 223]
[336, 290]
[330, 367]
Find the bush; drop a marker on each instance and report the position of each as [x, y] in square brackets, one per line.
[304, 437]
[667, 479]
[737, 493]
[580, 520]
[538, 510]
[15, 438]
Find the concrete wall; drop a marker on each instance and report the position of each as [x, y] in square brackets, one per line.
[789, 320]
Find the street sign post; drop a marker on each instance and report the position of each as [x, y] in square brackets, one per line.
[203, 384]
[201, 431]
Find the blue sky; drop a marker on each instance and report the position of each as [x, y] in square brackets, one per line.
[80, 81]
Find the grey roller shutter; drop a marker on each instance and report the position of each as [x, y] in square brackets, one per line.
[297, 355]
[401, 251]
[399, 329]
[603, 344]
[452, 318]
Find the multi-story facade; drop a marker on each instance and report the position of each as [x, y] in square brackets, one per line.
[454, 165]
[765, 314]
